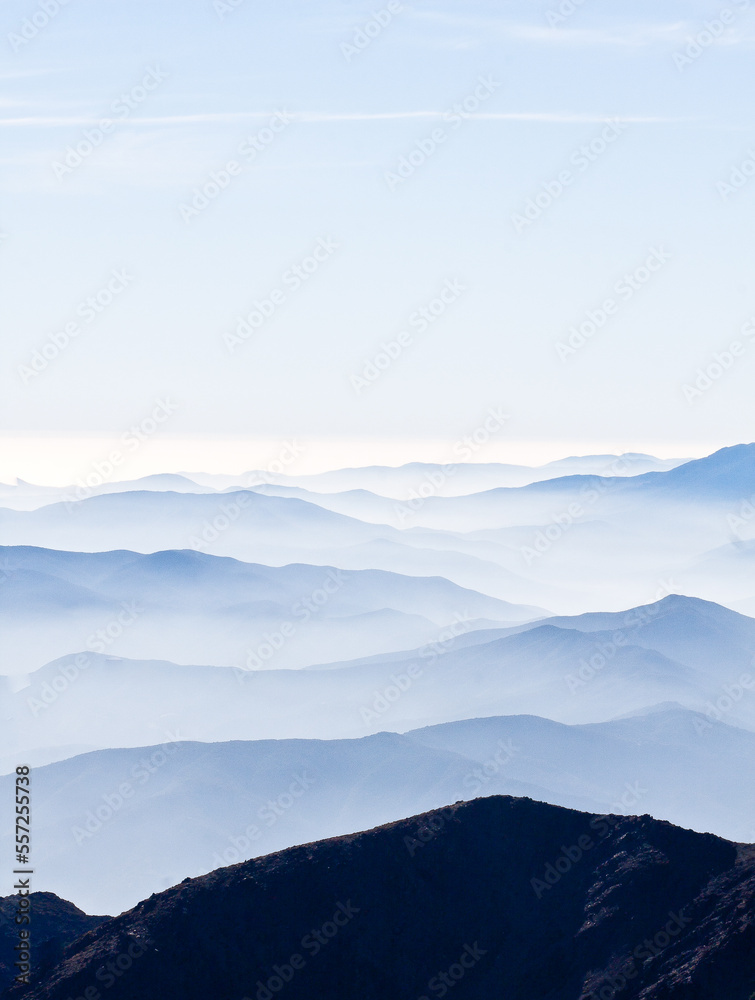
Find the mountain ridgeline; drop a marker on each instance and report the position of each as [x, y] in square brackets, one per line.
[499, 897]
[205, 671]
[56, 924]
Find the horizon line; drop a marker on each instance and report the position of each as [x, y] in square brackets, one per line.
[58, 461]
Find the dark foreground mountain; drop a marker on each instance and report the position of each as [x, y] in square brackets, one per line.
[499, 897]
[55, 923]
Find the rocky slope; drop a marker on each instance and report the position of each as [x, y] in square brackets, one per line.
[55, 924]
[499, 897]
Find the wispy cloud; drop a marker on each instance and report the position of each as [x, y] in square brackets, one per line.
[25, 74]
[623, 35]
[327, 117]
[554, 117]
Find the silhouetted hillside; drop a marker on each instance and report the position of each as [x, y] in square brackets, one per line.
[496, 898]
[55, 924]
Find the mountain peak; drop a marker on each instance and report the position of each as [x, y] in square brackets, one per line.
[508, 891]
[727, 473]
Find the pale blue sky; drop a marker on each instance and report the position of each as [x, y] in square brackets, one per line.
[323, 177]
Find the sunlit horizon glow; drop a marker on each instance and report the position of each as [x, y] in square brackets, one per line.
[59, 461]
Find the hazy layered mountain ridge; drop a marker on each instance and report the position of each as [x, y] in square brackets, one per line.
[255, 668]
[396, 482]
[182, 605]
[563, 673]
[562, 544]
[150, 816]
